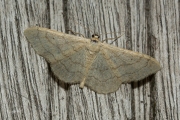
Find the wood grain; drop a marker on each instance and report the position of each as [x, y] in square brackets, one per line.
[29, 90]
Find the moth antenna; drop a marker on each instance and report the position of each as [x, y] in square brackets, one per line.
[110, 33]
[114, 39]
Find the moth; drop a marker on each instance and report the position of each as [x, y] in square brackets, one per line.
[99, 66]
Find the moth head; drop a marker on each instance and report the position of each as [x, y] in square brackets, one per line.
[95, 38]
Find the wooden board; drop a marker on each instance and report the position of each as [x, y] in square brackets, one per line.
[29, 90]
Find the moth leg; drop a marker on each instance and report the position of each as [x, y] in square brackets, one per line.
[82, 83]
[76, 33]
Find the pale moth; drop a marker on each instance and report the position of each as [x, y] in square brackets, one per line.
[99, 66]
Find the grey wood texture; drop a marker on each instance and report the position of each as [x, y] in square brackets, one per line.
[29, 90]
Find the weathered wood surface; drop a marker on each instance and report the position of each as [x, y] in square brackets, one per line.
[29, 90]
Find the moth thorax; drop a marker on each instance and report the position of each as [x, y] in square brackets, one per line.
[95, 38]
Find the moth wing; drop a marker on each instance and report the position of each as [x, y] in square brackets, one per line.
[100, 77]
[65, 53]
[114, 66]
[72, 68]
